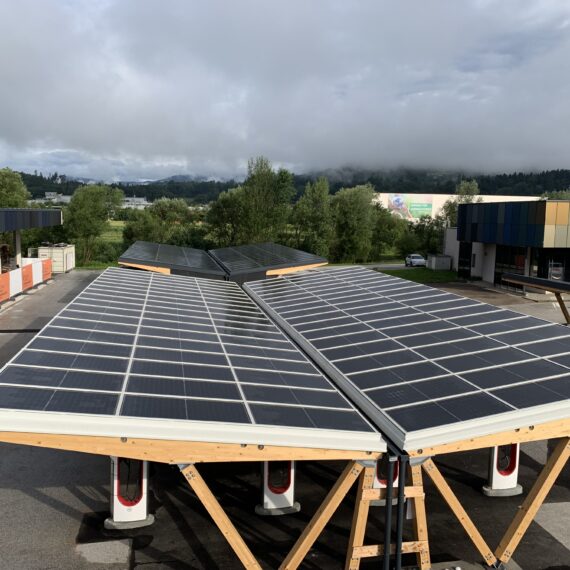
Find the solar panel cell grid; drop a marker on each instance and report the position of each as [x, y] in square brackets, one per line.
[431, 359]
[147, 346]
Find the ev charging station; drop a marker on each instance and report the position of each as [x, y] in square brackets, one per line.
[129, 494]
[503, 472]
[380, 479]
[278, 495]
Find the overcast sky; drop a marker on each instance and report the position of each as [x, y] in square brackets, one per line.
[129, 89]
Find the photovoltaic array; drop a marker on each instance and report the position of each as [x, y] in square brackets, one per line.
[175, 357]
[179, 260]
[425, 365]
[255, 260]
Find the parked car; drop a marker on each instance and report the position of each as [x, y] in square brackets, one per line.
[415, 260]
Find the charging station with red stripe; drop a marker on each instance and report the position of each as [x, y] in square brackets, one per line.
[278, 494]
[381, 479]
[129, 494]
[503, 471]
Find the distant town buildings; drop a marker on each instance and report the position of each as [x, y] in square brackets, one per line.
[132, 202]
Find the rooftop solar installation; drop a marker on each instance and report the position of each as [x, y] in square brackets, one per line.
[255, 261]
[427, 367]
[141, 354]
[176, 260]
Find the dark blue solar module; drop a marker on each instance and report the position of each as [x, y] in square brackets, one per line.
[174, 357]
[425, 365]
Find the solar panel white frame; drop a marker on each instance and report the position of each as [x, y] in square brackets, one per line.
[213, 323]
[335, 311]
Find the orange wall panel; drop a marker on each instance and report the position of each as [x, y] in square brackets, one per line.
[562, 214]
[46, 269]
[27, 277]
[551, 213]
[4, 287]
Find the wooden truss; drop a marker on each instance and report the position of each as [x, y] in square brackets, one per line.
[187, 454]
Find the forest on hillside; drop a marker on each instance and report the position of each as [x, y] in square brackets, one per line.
[202, 191]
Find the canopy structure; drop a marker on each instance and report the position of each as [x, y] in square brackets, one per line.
[144, 355]
[171, 260]
[257, 261]
[428, 367]
[14, 219]
[239, 264]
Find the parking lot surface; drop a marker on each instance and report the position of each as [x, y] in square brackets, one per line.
[53, 503]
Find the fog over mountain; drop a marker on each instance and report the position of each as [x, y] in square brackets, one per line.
[142, 89]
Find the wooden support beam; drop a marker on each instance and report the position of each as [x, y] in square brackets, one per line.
[523, 434]
[378, 549]
[153, 268]
[420, 519]
[287, 270]
[222, 521]
[322, 516]
[563, 307]
[360, 518]
[380, 494]
[534, 500]
[180, 452]
[458, 510]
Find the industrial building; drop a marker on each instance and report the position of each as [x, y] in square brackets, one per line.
[525, 238]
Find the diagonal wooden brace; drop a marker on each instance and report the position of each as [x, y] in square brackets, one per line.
[222, 521]
[534, 500]
[458, 510]
[322, 516]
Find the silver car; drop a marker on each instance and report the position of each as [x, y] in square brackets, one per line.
[415, 260]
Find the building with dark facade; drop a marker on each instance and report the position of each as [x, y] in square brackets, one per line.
[525, 238]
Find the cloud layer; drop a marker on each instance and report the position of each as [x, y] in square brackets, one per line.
[144, 89]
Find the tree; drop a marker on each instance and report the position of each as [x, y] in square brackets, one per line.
[312, 218]
[87, 217]
[224, 217]
[466, 192]
[13, 192]
[408, 242]
[429, 232]
[387, 228]
[266, 199]
[352, 212]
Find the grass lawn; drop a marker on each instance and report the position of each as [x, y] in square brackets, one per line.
[423, 275]
[115, 232]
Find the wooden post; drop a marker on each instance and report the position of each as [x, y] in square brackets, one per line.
[220, 518]
[322, 516]
[360, 518]
[563, 307]
[462, 516]
[534, 500]
[420, 519]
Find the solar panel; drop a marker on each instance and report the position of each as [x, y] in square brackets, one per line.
[174, 357]
[178, 260]
[255, 261]
[427, 366]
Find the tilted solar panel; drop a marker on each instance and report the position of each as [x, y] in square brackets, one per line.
[179, 260]
[253, 261]
[428, 367]
[174, 357]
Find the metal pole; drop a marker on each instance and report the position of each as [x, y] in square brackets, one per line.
[400, 517]
[388, 523]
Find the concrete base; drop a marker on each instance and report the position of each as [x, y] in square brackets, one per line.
[512, 492]
[111, 524]
[259, 510]
[382, 502]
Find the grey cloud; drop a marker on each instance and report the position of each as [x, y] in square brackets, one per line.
[142, 88]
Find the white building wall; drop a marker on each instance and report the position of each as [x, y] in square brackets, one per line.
[413, 206]
[451, 246]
